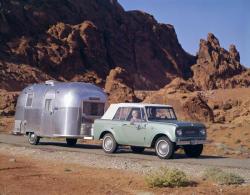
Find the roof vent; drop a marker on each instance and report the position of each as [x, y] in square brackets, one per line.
[50, 82]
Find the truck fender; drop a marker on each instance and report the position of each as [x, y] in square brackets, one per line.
[154, 138]
[109, 130]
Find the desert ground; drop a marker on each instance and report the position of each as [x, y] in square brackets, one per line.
[25, 170]
[53, 168]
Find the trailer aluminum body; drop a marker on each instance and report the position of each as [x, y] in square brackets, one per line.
[58, 109]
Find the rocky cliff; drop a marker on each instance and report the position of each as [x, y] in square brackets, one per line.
[217, 67]
[97, 41]
[84, 40]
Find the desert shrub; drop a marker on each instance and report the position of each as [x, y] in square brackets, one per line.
[221, 177]
[167, 178]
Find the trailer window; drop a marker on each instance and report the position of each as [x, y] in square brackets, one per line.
[93, 108]
[29, 100]
[48, 105]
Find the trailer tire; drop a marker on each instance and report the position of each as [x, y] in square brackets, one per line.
[33, 139]
[71, 141]
[109, 145]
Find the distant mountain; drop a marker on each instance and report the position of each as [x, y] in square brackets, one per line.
[97, 41]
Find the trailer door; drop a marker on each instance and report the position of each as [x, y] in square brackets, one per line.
[48, 114]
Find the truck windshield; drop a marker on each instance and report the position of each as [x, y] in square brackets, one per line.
[160, 113]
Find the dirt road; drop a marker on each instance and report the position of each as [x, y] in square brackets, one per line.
[53, 168]
[92, 155]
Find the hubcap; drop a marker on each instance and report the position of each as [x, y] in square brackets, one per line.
[108, 143]
[32, 137]
[162, 148]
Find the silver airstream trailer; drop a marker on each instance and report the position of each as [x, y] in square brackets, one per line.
[57, 109]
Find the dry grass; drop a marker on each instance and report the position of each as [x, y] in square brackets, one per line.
[167, 178]
[221, 177]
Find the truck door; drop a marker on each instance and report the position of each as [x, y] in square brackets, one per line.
[48, 114]
[133, 131]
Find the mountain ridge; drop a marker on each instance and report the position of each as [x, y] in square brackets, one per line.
[89, 40]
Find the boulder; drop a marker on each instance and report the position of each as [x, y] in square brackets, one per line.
[197, 109]
[117, 86]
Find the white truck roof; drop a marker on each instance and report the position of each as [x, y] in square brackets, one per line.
[110, 113]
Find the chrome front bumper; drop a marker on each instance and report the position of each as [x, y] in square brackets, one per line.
[191, 142]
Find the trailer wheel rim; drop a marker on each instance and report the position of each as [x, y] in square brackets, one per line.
[108, 143]
[32, 137]
[162, 148]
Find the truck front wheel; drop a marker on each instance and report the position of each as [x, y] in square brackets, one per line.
[193, 151]
[164, 148]
[109, 144]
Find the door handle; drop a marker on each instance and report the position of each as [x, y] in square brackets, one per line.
[124, 124]
[138, 127]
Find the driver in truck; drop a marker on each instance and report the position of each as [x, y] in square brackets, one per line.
[135, 117]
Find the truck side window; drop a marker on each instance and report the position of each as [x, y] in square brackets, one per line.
[117, 114]
[29, 100]
[48, 105]
[122, 113]
[133, 110]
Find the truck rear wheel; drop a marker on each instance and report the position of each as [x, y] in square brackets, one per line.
[164, 148]
[137, 149]
[109, 144]
[33, 139]
[71, 141]
[193, 151]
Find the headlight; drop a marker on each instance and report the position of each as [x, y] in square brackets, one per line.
[179, 132]
[203, 131]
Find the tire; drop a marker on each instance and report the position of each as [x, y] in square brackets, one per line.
[109, 144]
[193, 151]
[71, 141]
[33, 139]
[137, 149]
[164, 148]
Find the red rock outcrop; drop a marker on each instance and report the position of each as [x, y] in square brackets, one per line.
[217, 67]
[97, 41]
[197, 109]
[7, 102]
[117, 86]
[67, 40]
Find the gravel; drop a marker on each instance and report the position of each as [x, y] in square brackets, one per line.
[140, 166]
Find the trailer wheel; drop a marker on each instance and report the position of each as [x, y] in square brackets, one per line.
[33, 139]
[109, 144]
[71, 141]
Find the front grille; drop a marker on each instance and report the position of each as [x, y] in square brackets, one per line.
[190, 132]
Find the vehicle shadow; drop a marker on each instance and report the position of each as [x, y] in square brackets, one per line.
[61, 144]
[150, 152]
[124, 150]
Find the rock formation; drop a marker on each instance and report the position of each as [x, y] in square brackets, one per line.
[122, 51]
[117, 86]
[218, 68]
[70, 40]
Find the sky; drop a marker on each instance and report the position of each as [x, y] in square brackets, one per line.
[228, 20]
